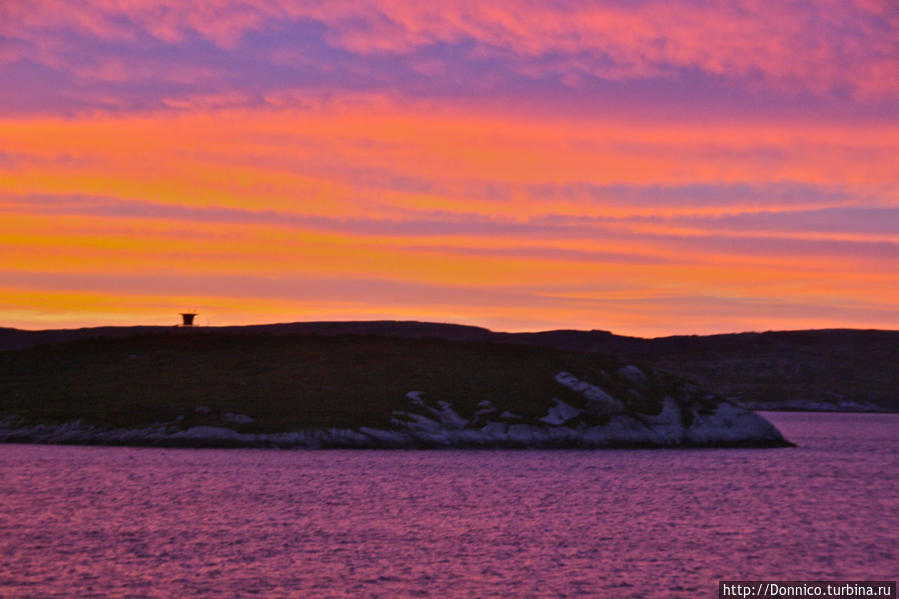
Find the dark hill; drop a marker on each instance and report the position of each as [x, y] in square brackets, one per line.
[251, 387]
[839, 369]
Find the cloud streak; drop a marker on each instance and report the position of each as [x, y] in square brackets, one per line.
[143, 55]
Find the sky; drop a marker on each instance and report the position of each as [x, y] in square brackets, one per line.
[648, 167]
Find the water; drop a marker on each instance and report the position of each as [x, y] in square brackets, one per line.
[125, 522]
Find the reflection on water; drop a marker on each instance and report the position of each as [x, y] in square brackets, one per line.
[113, 522]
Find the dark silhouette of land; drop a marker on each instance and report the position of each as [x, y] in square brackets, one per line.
[837, 369]
[274, 386]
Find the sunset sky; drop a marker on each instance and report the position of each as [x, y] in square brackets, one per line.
[645, 167]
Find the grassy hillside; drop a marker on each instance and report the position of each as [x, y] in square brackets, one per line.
[791, 367]
[780, 368]
[289, 382]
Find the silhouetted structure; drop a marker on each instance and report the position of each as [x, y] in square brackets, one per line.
[187, 319]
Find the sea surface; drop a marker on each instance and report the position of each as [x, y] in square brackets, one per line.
[127, 522]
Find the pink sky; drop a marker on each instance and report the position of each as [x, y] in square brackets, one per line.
[642, 167]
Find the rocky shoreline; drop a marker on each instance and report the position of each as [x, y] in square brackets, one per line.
[441, 427]
[309, 391]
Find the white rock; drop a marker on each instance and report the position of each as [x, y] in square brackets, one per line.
[392, 437]
[560, 413]
[598, 401]
[415, 396]
[448, 416]
[632, 373]
[730, 424]
[212, 433]
[237, 418]
[415, 422]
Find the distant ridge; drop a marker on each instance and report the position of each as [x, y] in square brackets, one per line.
[827, 369]
[11, 339]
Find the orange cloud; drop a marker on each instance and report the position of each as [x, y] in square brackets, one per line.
[468, 162]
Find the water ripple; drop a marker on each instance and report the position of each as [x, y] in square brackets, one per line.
[126, 522]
